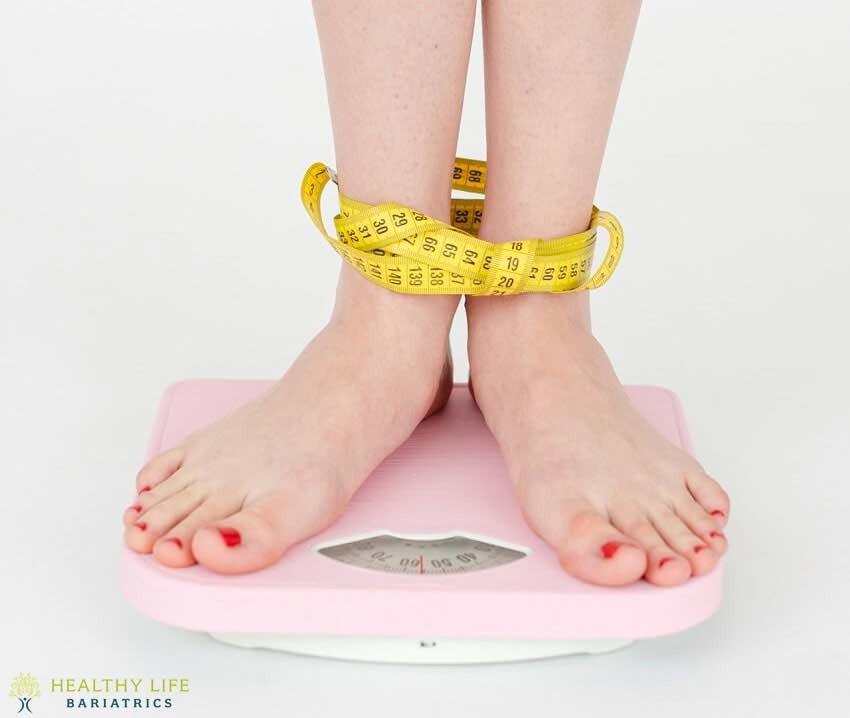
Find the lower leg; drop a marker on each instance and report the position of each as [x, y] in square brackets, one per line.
[236, 495]
[595, 480]
[395, 99]
[545, 152]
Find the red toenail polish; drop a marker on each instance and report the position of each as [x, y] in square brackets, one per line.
[718, 512]
[231, 536]
[697, 549]
[663, 561]
[141, 525]
[176, 541]
[716, 534]
[610, 548]
[144, 488]
[136, 508]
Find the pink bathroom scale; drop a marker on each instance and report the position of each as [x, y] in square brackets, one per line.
[432, 562]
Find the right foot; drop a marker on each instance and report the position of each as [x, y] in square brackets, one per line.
[234, 496]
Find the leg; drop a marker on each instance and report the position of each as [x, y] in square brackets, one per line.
[236, 495]
[595, 480]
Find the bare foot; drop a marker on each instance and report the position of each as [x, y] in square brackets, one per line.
[595, 480]
[233, 497]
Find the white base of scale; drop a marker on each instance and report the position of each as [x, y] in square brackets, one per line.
[412, 650]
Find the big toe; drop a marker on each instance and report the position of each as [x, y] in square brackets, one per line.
[594, 551]
[253, 538]
[239, 544]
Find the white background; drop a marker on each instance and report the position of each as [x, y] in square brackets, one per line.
[150, 155]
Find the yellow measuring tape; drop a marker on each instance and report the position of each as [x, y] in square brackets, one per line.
[406, 251]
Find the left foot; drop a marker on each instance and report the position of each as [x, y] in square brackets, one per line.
[596, 481]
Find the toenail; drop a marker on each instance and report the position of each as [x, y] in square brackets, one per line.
[141, 525]
[136, 508]
[717, 512]
[610, 548]
[230, 536]
[176, 541]
[664, 560]
[144, 488]
[716, 534]
[697, 549]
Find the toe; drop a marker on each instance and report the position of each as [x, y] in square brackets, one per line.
[174, 552]
[131, 514]
[594, 551]
[254, 537]
[683, 541]
[664, 567]
[159, 469]
[149, 525]
[701, 523]
[174, 547]
[710, 495]
[149, 498]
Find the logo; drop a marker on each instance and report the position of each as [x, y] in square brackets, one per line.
[107, 692]
[24, 688]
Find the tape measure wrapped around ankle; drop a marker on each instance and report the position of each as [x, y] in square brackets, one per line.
[406, 251]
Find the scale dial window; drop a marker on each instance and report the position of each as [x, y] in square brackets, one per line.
[438, 556]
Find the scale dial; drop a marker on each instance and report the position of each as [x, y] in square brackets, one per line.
[430, 556]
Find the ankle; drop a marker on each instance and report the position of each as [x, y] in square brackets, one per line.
[569, 312]
[362, 300]
[503, 223]
[394, 328]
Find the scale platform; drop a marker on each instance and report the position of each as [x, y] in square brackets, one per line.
[432, 561]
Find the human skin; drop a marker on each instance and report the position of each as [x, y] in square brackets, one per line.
[595, 480]
[234, 496]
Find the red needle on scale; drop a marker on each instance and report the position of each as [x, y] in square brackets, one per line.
[421, 564]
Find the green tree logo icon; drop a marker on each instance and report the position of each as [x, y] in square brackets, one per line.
[24, 688]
